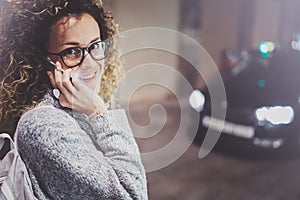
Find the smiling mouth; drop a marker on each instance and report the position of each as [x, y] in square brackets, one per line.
[87, 77]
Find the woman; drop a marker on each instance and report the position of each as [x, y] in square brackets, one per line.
[54, 55]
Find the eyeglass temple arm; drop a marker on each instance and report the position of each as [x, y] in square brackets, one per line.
[52, 63]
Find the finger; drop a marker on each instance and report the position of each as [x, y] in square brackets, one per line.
[68, 101]
[59, 67]
[63, 101]
[66, 98]
[66, 76]
[76, 82]
[71, 95]
[59, 79]
[51, 78]
[82, 90]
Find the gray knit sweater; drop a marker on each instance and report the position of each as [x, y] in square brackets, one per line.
[70, 156]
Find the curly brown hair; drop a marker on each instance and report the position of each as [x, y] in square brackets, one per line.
[24, 29]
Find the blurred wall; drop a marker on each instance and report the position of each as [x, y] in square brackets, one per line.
[267, 19]
[220, 26]
[140, 13]
[130, 14]
[225, 24]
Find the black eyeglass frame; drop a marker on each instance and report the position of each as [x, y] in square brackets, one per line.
[83, 49]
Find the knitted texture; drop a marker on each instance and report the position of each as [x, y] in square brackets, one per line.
[70, 156]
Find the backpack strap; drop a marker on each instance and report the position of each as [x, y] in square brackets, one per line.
[4, 136]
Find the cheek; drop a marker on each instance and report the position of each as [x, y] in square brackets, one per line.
[101, 65]
[64, 66]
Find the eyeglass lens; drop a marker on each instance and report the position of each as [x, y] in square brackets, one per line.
[75, 55]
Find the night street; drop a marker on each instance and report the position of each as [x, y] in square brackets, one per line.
[218, 176]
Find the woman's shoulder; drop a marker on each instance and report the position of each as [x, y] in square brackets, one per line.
[47, 114]
[42, 119]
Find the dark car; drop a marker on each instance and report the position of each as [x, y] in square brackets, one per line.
[262, 103]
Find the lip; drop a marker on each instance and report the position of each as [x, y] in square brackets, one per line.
[88, 76]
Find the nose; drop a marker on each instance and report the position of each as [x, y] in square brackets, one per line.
[87, 60]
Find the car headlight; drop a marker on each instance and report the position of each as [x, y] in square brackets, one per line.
[197, 100]
[275, 115]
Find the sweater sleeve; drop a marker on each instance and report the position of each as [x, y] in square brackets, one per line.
[67, 163]
[113, 136]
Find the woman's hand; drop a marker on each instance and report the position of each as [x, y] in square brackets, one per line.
[74, 94]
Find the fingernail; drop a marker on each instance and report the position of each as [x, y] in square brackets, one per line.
[57, 63]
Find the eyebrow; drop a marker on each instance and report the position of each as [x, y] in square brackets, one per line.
[76, 43]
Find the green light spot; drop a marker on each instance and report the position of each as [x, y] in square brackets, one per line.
[261, 83]
[271, 46]
[266, 48]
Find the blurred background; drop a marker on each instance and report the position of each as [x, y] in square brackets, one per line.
[255, 46]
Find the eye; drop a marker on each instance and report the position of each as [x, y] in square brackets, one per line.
[74, 52]
[95, 45]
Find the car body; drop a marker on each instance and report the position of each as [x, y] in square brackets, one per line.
[262, 103]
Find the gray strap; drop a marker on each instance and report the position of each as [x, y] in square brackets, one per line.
[4, 136]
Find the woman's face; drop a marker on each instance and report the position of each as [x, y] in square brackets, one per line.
[73, 31]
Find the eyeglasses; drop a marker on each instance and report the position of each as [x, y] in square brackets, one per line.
[74, 56]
